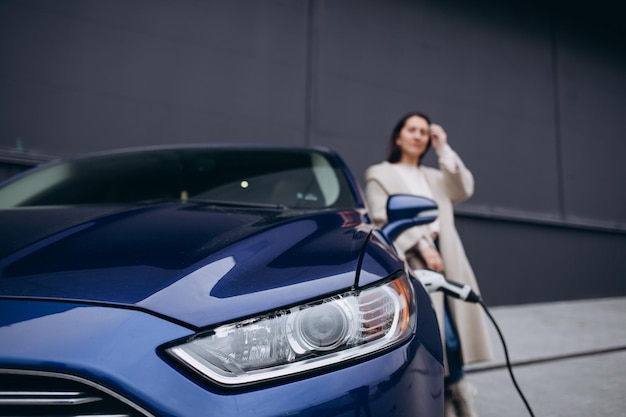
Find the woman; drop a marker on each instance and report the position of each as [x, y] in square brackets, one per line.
[436, 246]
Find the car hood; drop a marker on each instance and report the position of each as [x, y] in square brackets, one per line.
[192, 263]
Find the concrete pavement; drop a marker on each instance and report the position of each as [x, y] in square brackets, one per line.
[569, 359]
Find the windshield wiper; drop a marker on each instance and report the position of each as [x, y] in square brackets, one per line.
[250, 204]
[217, 203]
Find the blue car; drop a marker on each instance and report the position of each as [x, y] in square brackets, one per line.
[209, 281]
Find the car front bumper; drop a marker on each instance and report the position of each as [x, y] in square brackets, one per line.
[115, 351]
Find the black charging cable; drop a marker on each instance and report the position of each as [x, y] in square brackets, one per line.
[506, 355]
[433, 281]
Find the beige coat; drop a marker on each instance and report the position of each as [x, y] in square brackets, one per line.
[449, 188]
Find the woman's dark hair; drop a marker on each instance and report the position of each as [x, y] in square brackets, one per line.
[394, 150]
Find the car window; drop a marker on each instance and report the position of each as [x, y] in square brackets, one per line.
[280, 177]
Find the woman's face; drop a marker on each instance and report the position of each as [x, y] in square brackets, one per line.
[413, 138]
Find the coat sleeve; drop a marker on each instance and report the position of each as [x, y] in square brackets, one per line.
[457, 179]
[376, 194]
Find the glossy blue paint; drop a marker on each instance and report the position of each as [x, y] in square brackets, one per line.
[379, 261]
[98, 292]
[405, 211]
[116, 347]
[120, 258]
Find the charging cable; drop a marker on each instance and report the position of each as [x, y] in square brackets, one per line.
[433, 281]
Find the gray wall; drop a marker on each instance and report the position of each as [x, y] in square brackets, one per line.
[532, 95]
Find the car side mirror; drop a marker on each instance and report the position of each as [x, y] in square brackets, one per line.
[405, 211]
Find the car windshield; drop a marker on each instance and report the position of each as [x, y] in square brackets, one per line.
[290, 178]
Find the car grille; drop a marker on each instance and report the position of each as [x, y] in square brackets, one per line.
[35, 393]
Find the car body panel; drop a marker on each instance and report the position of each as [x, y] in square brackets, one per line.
[99, 292]
[193, 263]
[127, 361]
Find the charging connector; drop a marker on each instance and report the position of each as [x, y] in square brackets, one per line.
[433, 281]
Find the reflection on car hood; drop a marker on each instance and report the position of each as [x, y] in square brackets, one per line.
[193, 263]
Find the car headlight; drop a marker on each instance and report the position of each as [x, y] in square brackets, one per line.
[303, 338]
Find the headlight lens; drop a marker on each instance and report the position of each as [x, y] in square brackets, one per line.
[303, 338]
